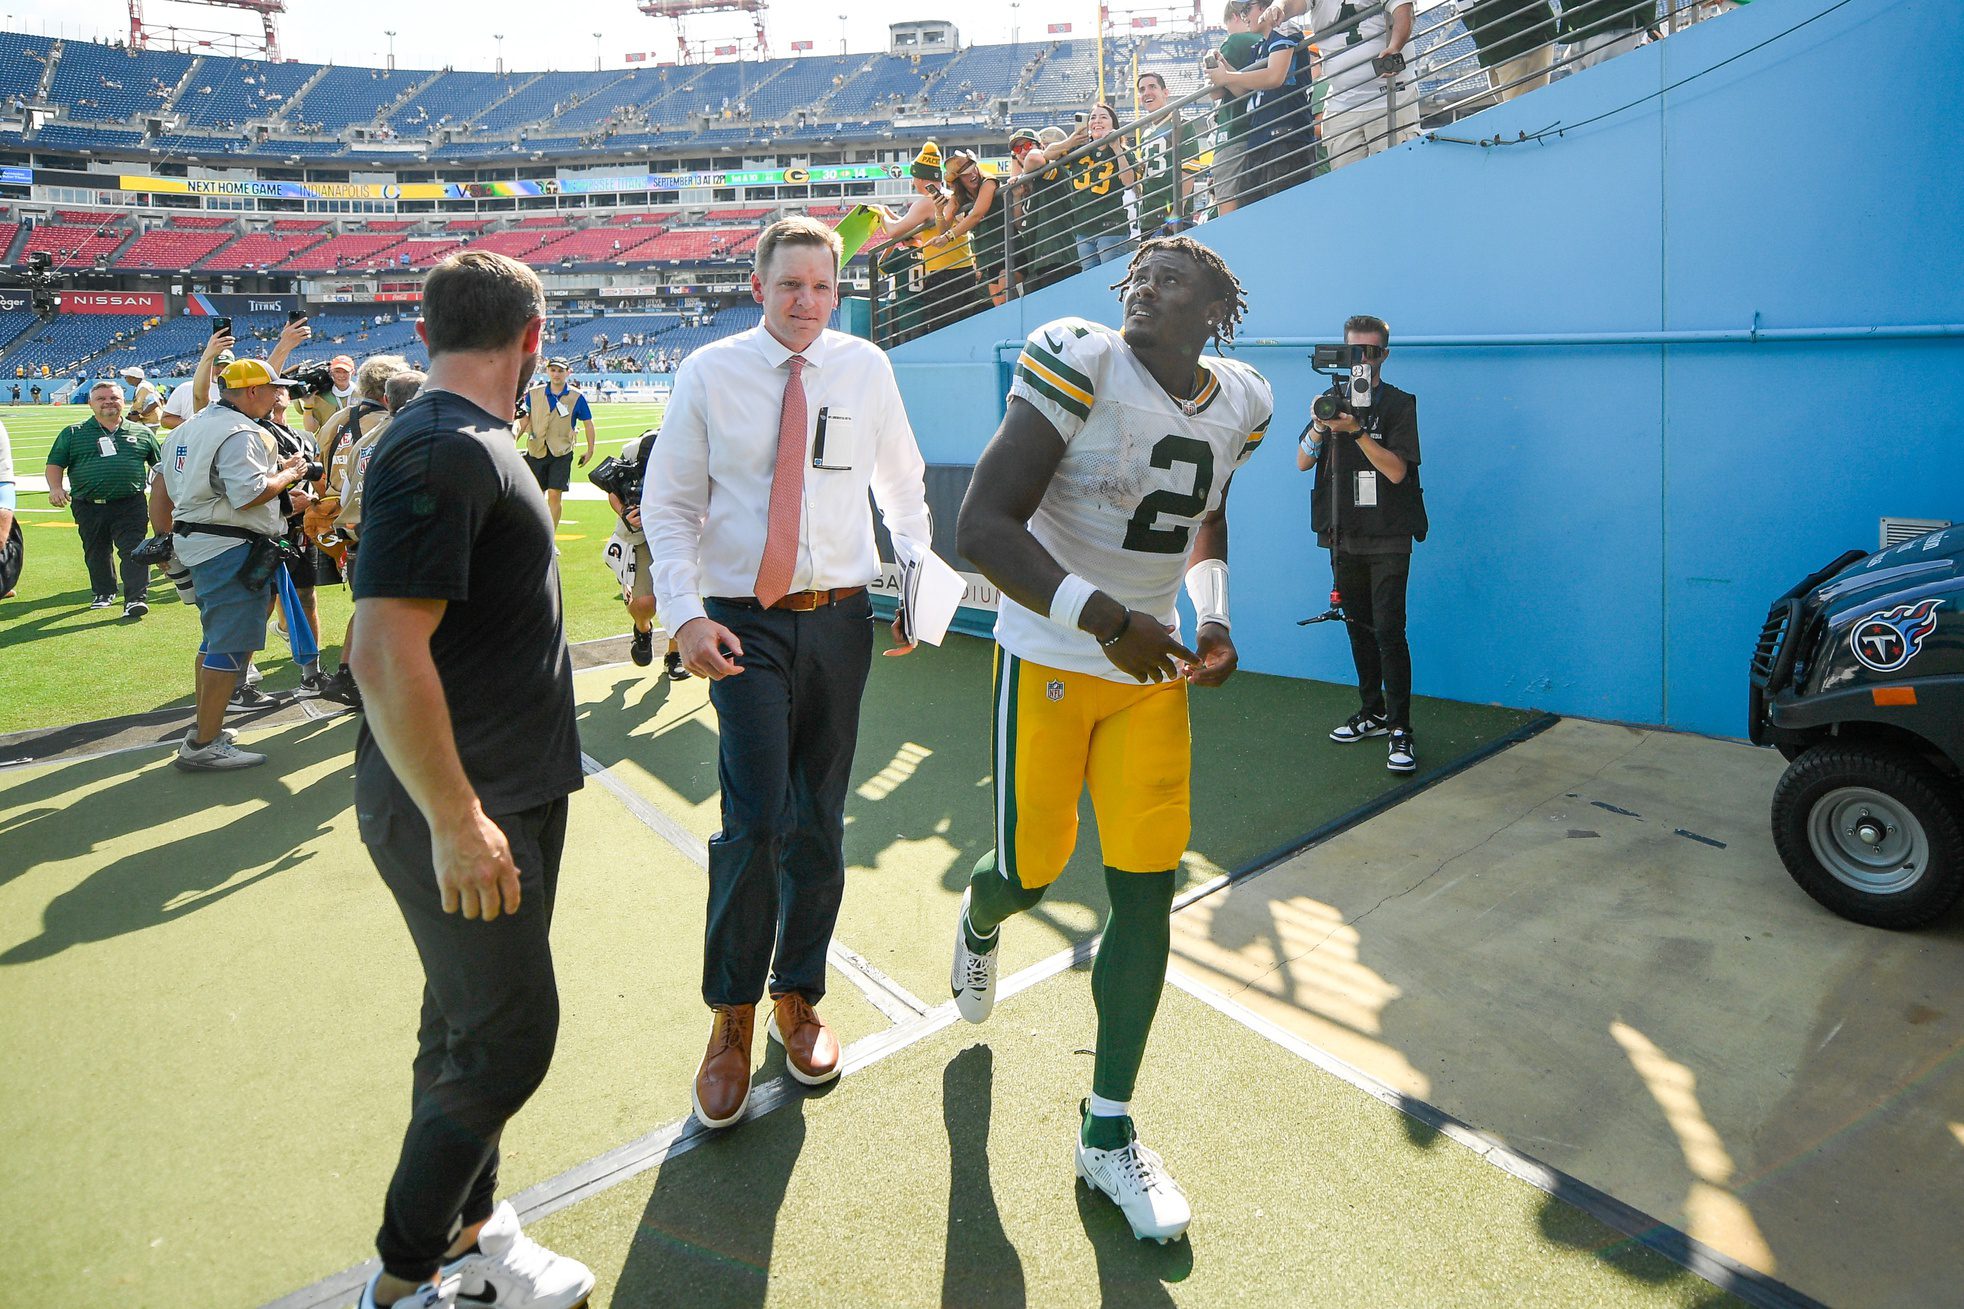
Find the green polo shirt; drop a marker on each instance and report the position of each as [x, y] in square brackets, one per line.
[93, 475]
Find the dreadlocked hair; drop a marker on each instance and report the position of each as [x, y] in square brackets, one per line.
[1222, 283]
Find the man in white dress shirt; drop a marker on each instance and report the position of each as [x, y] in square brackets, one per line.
[761, 549]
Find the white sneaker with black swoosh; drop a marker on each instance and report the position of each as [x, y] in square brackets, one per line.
[509, 1270]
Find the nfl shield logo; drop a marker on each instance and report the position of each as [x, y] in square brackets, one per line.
[1055, 690]
[183, 452]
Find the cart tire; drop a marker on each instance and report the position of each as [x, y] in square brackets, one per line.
[1876, 835]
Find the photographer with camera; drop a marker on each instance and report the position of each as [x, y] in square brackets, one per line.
[322, 402]
[195, 396]
[1367, 508]
[623, 477]
[225, 483]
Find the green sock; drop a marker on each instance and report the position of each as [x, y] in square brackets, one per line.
[992, 897]
[1126, 979]
[1105, 1133]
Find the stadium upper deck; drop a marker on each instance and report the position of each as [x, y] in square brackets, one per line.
[108, 100]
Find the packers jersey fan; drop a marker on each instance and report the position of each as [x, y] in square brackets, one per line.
[1140, 470]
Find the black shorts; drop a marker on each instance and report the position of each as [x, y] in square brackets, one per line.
[555, 472]
[305, 570]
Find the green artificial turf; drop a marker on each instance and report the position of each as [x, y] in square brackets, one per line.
[943, 1176]
[920, 811]
[208, 1004]
[61, 662]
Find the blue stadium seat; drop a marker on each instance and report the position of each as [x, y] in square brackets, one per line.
[23, 59]
[229, 92]
[346, 96]
[552, 93]
[108, 84]
[452, 98]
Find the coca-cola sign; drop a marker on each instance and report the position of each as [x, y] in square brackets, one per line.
[113, 302]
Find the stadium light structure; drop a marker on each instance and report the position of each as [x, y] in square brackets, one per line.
[680, 11]
[268, 46]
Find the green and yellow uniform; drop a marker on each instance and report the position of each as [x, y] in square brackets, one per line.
[1100, 196]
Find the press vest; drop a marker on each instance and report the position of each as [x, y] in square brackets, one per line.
[1400, 506]
[360, 450]
[551, 431]
[192, 478]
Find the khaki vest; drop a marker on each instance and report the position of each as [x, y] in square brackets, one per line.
[356, 474]
[192, 479]
[551, 432]
[321, 408]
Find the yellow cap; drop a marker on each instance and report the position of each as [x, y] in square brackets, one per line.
[251, 372]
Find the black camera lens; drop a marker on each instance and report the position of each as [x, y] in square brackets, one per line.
[315, 472]
[1328, 406]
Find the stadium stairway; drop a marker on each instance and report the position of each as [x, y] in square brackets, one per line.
[394, 106]
[518, 88]
[192, 72]
[48, 72]
[299, 95]
[16, 245]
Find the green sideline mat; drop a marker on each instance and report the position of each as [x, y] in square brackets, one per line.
[208, 1005]
[942, 1176]
[920, 812]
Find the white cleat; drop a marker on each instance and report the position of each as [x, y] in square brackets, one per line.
[440, 1294]
[973, 977]
[512, 1271]
[1136, 1180]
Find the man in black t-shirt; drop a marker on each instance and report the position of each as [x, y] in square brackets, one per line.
[1368, 508]
[462, 772]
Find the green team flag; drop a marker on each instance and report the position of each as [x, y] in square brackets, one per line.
[855, 229]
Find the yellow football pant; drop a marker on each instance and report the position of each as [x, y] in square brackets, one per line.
[1056, 732]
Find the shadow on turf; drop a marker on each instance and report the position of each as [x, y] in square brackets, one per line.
[170, 878]
[706, 1235]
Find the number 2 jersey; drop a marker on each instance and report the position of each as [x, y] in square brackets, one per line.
[1138, 475]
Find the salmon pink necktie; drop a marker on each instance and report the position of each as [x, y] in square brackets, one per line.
[787, 493]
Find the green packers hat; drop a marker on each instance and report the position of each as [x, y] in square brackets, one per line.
[1022, 136]
[927, 164]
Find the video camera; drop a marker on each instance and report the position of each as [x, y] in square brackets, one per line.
[1356, 369]
[316, 378]
[38, 277]
[619, 477]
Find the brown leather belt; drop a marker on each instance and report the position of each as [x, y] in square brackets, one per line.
[798, 602]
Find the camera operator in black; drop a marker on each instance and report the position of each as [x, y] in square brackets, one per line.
[622, 477]
[1371, 458]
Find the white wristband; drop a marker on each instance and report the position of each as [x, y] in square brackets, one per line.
[1207, 583]
[1067, 605]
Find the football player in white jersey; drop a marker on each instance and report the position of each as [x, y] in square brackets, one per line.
[1104, 488]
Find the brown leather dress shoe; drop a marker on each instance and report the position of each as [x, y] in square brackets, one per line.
[811, 1051]
[722, 1085]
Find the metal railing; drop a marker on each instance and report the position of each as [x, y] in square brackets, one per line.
[1210, 152]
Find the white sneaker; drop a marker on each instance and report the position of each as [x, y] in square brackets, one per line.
[1137, 1182]
[972, 980]
[219, 756]
[440, 1294]
[512, 1271]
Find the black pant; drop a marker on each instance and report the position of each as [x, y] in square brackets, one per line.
[789, 723]
[121, 523]
[1373, 590]
[490, 1019]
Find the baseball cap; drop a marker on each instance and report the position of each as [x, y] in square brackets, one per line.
[133, 371]
[556, 363]
[251, 372]
[342, 361]
[1022, 136]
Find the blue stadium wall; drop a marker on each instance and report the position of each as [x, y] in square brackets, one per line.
[1609, 521]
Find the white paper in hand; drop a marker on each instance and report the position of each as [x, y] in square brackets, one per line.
[930, 592]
